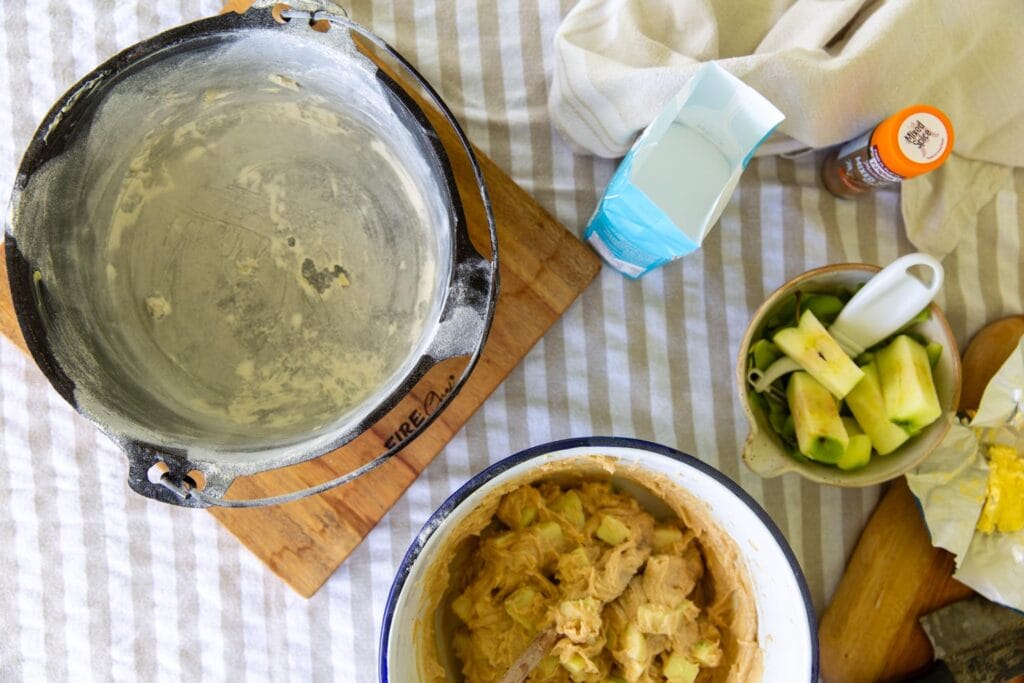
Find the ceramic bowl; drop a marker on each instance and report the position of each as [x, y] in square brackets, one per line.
[786, 627]
[765, 452]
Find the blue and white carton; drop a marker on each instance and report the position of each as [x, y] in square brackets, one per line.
[675, 181]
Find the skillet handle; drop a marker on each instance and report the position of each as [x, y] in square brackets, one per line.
[173, 481]
[170, 477]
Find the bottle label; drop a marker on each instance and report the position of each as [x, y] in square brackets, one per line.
[876, 172]
[923, 138]
[861, 168]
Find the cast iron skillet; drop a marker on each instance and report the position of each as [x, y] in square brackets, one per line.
[169, 474]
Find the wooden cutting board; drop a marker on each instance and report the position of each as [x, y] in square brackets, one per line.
[543, 269]
[870, 631]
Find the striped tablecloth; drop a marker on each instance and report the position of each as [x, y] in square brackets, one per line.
[98, 583]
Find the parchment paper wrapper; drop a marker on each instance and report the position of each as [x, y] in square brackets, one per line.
[951, 485]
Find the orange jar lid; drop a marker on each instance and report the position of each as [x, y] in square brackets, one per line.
[914, 140]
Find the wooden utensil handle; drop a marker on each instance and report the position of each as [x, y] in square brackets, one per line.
[870, 632]
[531, 656]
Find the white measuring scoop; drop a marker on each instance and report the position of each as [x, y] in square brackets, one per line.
[887, 302]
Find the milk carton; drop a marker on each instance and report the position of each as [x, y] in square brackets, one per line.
[674, 182]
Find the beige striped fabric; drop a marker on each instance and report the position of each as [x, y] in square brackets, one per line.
[97, 583]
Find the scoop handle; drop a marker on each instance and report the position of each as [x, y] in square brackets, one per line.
[886, 303]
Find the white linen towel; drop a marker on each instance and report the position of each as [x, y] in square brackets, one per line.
[834, 67]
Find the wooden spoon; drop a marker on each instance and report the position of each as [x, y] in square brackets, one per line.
[531, 656]
[545, 640]
[986, 353]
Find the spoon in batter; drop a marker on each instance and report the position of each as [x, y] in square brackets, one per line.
[531, 656]
[546, 639]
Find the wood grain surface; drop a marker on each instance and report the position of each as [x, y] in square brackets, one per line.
[870, 631]
[543, 269]
[8, 322]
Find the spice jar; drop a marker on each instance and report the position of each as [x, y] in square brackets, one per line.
[913, 141]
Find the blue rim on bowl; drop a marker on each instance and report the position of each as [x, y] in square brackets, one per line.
[473, 484]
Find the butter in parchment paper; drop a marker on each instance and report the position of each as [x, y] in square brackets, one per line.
[953, 483]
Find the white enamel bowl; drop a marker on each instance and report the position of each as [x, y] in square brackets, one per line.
[786, 626]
